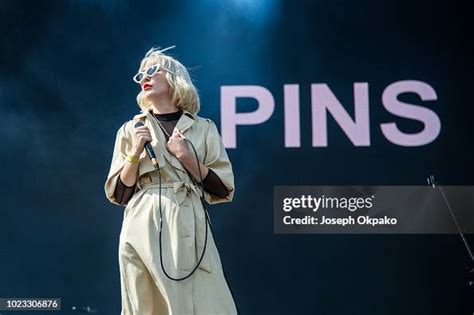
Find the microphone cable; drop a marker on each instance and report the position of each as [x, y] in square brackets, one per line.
[207, 221]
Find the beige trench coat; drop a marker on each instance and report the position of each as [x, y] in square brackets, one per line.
[145, 289]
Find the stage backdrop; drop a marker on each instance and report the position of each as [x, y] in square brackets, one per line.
[303, 93]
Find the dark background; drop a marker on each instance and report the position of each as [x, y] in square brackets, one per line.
[66, 88]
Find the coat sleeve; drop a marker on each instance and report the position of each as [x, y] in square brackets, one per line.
[122, 147]
[217, 160]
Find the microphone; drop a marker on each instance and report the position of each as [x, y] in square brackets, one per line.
[149, 149]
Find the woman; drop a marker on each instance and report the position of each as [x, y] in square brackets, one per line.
[169, 265]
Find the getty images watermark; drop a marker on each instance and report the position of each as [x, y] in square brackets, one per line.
[370, 209]
[342, 203]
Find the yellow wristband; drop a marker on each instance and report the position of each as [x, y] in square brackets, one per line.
[132, 159]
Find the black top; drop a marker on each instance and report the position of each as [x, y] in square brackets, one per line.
[168, 121]
[212, 183]
[169, 116]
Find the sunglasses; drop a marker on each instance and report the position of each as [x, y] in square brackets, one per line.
[149, 72]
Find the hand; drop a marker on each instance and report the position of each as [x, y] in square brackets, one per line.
[140, 136]
[177, 145]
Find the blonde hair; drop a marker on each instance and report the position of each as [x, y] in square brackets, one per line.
[182, 90]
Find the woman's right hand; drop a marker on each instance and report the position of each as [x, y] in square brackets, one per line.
[140, 136]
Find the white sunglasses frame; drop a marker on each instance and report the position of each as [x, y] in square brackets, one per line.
[149, 75]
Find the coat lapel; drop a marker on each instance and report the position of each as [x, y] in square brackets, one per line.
[185, 121]
[159, 141]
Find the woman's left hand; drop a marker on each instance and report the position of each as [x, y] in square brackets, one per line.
[177, 145]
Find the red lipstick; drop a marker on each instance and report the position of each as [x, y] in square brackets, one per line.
[147, 86]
